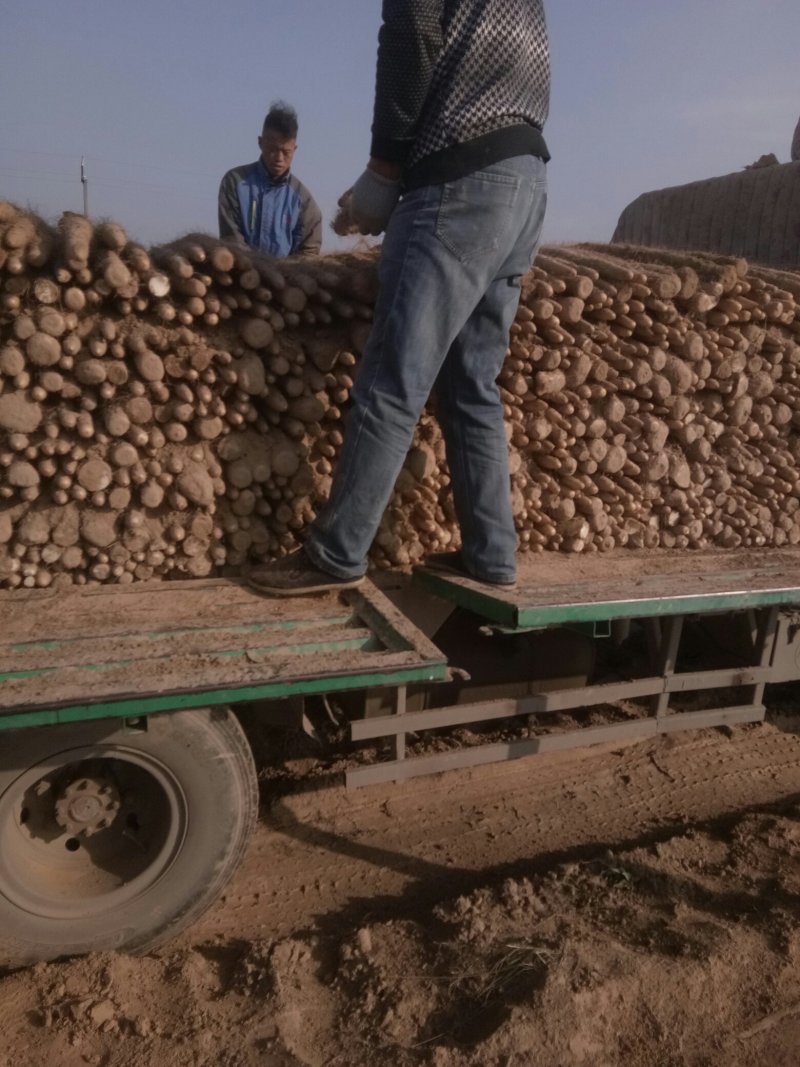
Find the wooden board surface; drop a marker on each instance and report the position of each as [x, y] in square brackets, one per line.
[108, 610]
[90, 645]
[555, 587]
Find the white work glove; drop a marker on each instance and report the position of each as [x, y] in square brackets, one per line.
[371, 201]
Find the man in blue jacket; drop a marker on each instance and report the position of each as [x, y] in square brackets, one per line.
[263, 203]
[457, 178]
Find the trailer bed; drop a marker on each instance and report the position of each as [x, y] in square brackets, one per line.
[661, 590]
[555, 589]
[91, 652]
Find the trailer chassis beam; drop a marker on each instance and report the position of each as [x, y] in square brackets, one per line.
[664, 639]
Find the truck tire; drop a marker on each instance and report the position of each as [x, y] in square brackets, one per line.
[117, 835]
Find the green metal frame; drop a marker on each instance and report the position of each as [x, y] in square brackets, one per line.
[380, 626]
[658, 689]
[142, 706]
[500, 608]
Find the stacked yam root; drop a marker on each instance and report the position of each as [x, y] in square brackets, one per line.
[171, 412]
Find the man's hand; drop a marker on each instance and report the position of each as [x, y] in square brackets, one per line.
[343, 224]
[372, 199]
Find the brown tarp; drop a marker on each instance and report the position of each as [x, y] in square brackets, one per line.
[755, 214]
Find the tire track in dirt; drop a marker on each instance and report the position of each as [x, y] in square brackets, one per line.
[327, 857]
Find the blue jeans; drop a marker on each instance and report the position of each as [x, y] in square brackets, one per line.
[449, 277]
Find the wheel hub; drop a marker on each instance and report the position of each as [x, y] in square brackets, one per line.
[87, 805]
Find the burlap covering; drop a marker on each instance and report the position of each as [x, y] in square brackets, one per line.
[754, 214]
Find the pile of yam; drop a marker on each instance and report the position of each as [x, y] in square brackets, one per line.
[174, 411]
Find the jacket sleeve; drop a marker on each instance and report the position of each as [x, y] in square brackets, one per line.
[307, 238]
[796, 144]
[230, 213]
[409, 44]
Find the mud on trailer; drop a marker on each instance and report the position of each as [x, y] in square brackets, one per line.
[127, 786]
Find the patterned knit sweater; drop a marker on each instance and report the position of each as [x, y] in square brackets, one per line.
[460, 84]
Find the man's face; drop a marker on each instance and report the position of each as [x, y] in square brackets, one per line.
[277, 152]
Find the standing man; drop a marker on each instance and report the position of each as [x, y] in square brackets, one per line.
[796, 143]
[457, 179]
[263, 204]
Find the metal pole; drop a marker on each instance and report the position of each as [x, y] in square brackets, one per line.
[85, 184]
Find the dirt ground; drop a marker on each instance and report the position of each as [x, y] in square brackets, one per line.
[634, 905]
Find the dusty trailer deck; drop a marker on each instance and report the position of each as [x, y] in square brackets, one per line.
[555, 589]
[651, 594]
[128, 790]
[90, 652]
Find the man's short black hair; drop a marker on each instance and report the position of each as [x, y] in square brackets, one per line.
[282, 118]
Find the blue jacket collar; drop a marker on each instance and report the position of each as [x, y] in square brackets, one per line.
[273, 181]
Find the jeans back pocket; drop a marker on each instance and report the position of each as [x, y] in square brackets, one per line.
[477, 212]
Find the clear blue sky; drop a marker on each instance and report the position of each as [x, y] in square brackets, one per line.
[163, 97]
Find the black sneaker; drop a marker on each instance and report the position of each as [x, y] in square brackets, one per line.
[453, 563]
[295, 575]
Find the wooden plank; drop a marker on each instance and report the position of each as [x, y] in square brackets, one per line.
[138, 706]
[185, 674]
[125, 648]
[667, 658]
[604, 693]
[400, 704]
[765, 645]
[401, 770]
[698, 720]
[553, 589]
[552, 702]
[104, 611]
[731, 677]
[435, 718]
[491, 710]
[631, 565]
[388, 622]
